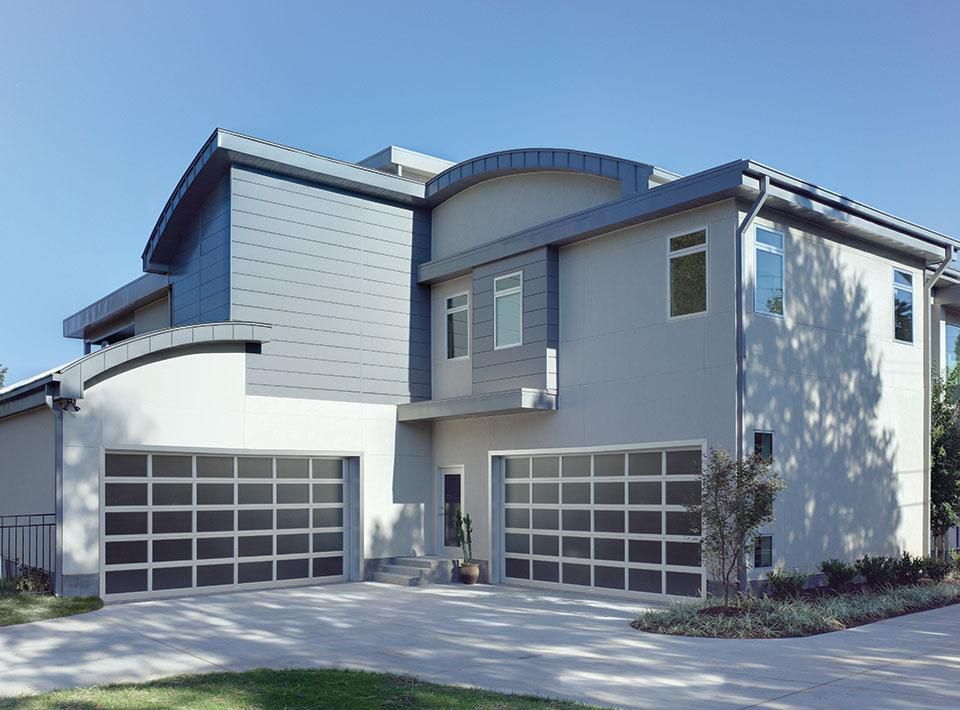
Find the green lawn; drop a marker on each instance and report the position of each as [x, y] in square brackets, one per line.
[21, 608]
[281, 689]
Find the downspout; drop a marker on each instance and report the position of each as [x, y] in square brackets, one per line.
[928, 284]
[54, 404]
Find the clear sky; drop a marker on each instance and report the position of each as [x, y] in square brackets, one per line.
[103, 105]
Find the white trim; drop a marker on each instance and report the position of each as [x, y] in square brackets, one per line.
[446, 324]
[442, 471]
[507, 292]
[671, 255]
[913, 304]
[782, 253]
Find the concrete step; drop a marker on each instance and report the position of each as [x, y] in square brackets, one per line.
[431, 563]
[399, 579]
[406, 571]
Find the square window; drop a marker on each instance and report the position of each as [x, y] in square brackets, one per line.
[763, 551]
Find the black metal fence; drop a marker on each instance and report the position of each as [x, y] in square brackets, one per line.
[27, 541]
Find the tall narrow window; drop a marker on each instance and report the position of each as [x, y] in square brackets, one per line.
[769, 288]
[763, 444]
[952, 345]
[763, 551]
[508, 310]
[903, 306]
[458, 326]
[688, 274]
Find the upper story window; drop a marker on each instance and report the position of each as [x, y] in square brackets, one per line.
[769, 286]
[763, 444]
[458, 326]
[952, 345]
[688, 274]
[902, 306]
[508, 310]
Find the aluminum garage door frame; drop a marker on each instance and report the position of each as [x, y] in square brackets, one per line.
[654, 551]
[312, 500]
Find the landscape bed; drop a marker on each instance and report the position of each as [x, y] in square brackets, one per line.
[765, 617]
[23, 608]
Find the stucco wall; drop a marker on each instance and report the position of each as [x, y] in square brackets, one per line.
[627, 375]
[198, 401]
[495, 208]
[27, 474]
[844, 400]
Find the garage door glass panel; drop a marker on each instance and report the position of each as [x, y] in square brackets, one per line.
[683, 492]
[327, 542]
[125, 465]
[544, 519]
[646, 580]
[608, 577]
[214, 494]
[575, 519]
[215, 520]
[172, 578]
[215, 466]
[214, 575]
[288, 518]
[293, 468]
[248, 572]
[645, 493]
[576, 574]
[172, 550]
[547, 545]
[126, 553]
[167, 522]
[646, 551]
[608, 521]
[546, 571]
[126, 523]
[682, 523]
[255, 493]
[647, 463]
[293, 569]
[683, 463]
[576, 493]
[517, 493]
[683, 584]
[328, 493]
[327, 468]
[293, 544]
[515, 542]
[517, 568]
[172, 494]
[645, 522]
[608, 549]
[293, 493]
[125, 581]
[325, 517]
[172, 466]
[517, 518]
[685, 554]
[546, 493]
[576, 547]
[328, 567]
[211, 548]
[117, 494]
[608, 493]
[255, 545]
[254, 467]
[576, 466]
[517, 468]
[608, 465]
[546, 467]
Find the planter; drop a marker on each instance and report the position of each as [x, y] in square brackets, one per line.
[469, 573]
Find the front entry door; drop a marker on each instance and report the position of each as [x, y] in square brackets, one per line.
[450, 496]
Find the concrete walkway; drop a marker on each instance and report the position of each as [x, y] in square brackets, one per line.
[499, 638]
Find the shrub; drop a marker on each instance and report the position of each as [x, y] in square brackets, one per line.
[909, 569]
[838, 573]
[879, 571]
[955, 556]
[785, 585]
[936, 569]
[33, 580]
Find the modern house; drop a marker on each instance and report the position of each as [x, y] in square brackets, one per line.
[324, 360]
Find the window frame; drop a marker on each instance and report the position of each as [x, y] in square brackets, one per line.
[447, 312]
[756, 545]
[764, 432]
[671, 255]
[899, 287]
[507, 292]
[781, 252]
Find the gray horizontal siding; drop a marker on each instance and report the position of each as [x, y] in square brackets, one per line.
[336, 276]
[200, 267]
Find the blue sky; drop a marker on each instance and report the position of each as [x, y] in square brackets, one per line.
[103, 105]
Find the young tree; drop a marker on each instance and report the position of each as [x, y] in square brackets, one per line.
[944, 456]
[736, 501]
[3, 375]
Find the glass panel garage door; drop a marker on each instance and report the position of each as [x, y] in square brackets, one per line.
[610, 521]
[176, 522]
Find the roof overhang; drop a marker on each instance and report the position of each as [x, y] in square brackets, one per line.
[123, 301]
[516, 401]
[409, 162]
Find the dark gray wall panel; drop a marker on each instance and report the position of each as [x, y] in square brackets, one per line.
[335, 274]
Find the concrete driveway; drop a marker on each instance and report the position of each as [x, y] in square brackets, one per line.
[499, 638]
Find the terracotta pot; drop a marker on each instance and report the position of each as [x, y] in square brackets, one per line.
[469, 573]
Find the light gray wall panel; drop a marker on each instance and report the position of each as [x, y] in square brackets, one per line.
[335, 274]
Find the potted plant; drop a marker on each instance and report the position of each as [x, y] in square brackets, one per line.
[469, 570]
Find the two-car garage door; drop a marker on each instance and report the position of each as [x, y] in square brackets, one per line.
[612, 520]
[177, 522]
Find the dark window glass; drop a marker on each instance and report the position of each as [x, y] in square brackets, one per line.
[170, 550]
[686, 554]
[254, 572]
[516, 568]
[292, 544]
[452, 483]
[683, 523]
[516, 468]
[610, 521]
[763, 551]
[249, 467]
[608, 465]
[126, 523]
[517, 543]
[546, 519]
[215, 520]
[172, 467]
[327, 493]
[646, 463]
[126, 553]
[576, 520]
[254, 519]
[683, 463]
[687, 241]
[215, 466]
[683, 584]
[328, 567]
[125, 465]
[293, 468]
[683, 492]
[645, 551]
[576, 493]
[546, 545]
[324, 517]
[607, 549]
[546, 467]
[645, 522]
[903, 307]
[298, 518]
[517, 518]
[255, 546]
[576, 466]
[576, 574]
[608, 493]
[763, 444]
[128, 580]
[608, 577]
[576, 547]
[328, 468]
[546, 493]
[646, 580]
[209, 548]
[172, 521]
[254, 493]
[126, 494]
[293, 569]
[214, 575]
[172, 578]
[172, 494]
[214, 494]
[688, 284]
[517, 493]
[546, 571]
[645, 493]
[457, 336]
[293, 493]
[327, 542]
